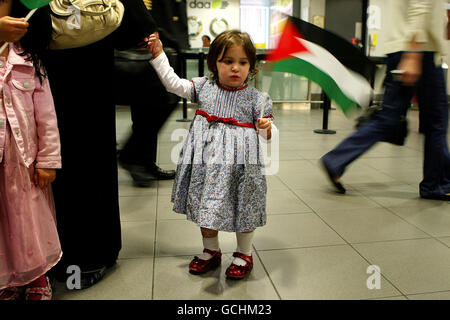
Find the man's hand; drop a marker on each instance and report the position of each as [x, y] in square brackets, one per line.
[411, 65]
[43, 177]
[12, 29]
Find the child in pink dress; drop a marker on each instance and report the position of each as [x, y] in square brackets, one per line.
[29, 155]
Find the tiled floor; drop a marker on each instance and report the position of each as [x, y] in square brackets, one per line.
[316, 245]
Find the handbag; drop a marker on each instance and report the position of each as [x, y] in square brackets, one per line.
[135, 78]
[398, 134]
[77, 23]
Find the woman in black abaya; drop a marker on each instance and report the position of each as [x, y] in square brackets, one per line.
[86, 188]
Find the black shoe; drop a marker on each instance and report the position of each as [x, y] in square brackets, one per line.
[141, 176]
[333, 179]
[139, 173]
[144, 175]
[444, 197]
[159, 173]
[91, 277]
[87, 277]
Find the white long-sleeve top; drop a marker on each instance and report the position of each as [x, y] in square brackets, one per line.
[171, 81]
[427, 19]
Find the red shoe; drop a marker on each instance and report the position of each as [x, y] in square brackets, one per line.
[39, 293]
[199, 266]
[236, 272]
[11, 293]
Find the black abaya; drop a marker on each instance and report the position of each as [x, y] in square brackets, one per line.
[86, 188]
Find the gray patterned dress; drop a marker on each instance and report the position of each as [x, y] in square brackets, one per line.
[220, 182]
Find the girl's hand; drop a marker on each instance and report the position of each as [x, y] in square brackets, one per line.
[12, 29]
[43, 177]
[264, 125]
[154, 45]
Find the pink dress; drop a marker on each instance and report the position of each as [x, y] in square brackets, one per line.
[29, 138]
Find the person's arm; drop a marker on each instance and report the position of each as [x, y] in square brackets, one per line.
[12, 29]
[169, 78]
[137, 23]
[48, 155]
[411, 64]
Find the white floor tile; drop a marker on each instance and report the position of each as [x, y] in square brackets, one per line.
[317, 244]
[129, 279]
[295, 231]
[336, 272]
[413, 266]
[174, 282]
[370, 225]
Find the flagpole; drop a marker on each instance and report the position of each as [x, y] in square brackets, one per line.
[26, 19]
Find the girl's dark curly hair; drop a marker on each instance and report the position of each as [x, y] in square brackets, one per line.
[36, 41]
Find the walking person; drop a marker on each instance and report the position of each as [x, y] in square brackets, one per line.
[415, 45]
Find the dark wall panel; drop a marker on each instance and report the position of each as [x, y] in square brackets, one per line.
[342, 15]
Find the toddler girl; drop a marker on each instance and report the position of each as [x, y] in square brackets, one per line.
[29, 154]
[219, 182]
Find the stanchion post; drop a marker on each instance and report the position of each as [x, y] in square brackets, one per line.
[326, 107]
[201, 65]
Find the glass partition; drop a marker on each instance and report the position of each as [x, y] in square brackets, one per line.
[281, 86]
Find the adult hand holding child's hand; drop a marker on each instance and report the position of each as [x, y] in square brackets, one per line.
[154, 45]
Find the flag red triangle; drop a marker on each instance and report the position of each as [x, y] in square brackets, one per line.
[288, 43]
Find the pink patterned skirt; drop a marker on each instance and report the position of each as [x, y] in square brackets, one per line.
[29, 242]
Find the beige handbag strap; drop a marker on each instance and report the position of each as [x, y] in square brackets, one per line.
[59, 8]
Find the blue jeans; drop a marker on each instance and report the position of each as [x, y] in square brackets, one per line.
[432, 97]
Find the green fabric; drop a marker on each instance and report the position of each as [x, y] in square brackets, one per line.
[35, 4]
[303, 68]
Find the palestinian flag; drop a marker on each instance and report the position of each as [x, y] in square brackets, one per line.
[339, 68]
[35, 4]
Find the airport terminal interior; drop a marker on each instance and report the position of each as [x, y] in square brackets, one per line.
[378, 241]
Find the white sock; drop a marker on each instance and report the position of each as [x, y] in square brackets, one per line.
[211, 244]
[244, 245]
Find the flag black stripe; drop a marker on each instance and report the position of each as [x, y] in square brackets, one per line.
[341, 49]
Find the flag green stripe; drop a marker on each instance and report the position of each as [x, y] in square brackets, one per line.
[35, 4]
[308, 70]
